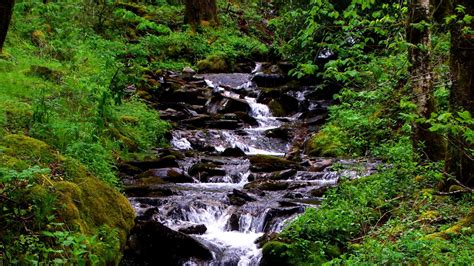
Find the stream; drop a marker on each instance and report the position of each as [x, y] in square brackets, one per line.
[225, 185]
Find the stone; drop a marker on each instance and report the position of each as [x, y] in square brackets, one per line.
[151, 242]
[283, 175]
[168, 175]
[266, 163]
[239, 198]
[163, 162]
[233, 152]
[267, 185]
[193, 229]
[269, 80]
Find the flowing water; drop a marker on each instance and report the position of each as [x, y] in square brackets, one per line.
[232, 229]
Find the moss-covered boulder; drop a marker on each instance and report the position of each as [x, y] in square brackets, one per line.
[213, 64]
[81, 202]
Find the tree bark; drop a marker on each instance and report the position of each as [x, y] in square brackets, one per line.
[200, 12]
[430, 143]
[459, 162]
[6, 9]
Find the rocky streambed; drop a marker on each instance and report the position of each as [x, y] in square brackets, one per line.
[236, 172]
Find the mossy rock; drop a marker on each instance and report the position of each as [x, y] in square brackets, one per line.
[276, 108]
[267, 163]
[24, 148]
[46, 73]
[213, 64]
[327, 142]
[85, 204]
[17, 116]
[88, 203]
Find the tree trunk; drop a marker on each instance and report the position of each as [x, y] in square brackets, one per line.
[431, 144]
[6, 9]
[458, 160]
[200, 12]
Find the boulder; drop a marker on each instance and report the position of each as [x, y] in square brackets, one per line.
[224, 105]
[147, 191]
[233, 152]
[193, 229]
[239, 198]
[163, 162]
[266, 163]
[151, 242]
[269, 80]
[233, 222]
[279, 133]
[203, 171]
[282, 175]
[267, 185]
[167, 175]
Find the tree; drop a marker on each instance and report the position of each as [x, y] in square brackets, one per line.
[458, 161]
[418, 35]
[6, 9]
[200, 12]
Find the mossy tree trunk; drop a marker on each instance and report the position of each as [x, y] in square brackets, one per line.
[418, 35]
[199, 12]
[459, 162]
[6, 9]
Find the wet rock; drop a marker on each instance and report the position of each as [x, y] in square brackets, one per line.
[269, 80]
[265, 238]
[283, 175]
[316, 120]
[321, 165]
[150, 242]
[273, 214]
[188, 73]
[239, 198]
[267, 185]
[279, 133]
[164, 162]
[203, 171]
[284, 203]
[147, 191]
[233, 222]
[266, 163]
[280, 103]
[293, 195]
[129, 169]
[173, 115]
[225, 105]
[194, 229]
[319, 192]
[169, 175]
[148, 214]
[224, 124]
[233, 152]
[246, 118]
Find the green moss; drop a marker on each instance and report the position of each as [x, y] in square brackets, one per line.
[88, 203]
[328, 142]
[276, 108]
[17, 116]
[25, 148]
[275, 253]
[213, 64]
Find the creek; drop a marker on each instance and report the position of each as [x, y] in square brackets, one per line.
[236, 173]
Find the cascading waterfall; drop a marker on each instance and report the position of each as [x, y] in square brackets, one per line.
[233, 228]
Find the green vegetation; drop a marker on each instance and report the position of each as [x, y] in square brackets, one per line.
[399, 215]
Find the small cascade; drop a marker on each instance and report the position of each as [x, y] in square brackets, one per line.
[220, 190]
